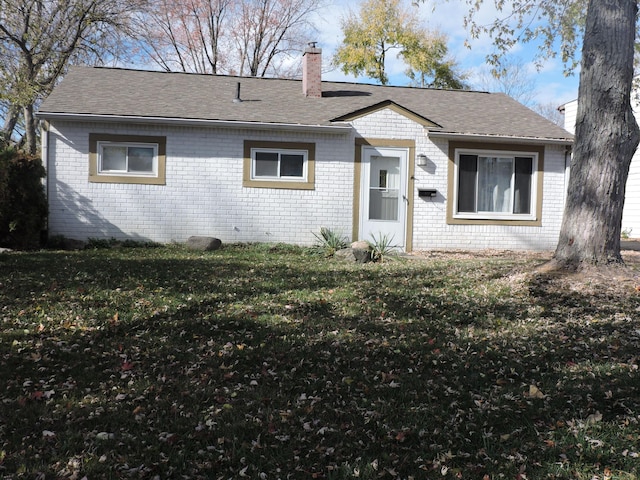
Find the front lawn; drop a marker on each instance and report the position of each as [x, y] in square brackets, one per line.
[270, 362]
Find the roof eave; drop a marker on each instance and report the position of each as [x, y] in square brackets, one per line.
[501, 138]
[335, 129]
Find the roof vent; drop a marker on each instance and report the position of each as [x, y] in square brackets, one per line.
[237, 99]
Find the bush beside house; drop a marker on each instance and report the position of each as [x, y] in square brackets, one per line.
[23, 204]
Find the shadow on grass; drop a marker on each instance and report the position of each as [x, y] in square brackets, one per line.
[296, 368]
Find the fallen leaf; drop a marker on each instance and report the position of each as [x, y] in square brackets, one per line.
[535, 392]
[127, 366]
[594, 418]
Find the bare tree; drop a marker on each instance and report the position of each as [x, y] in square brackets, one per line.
[243, 37]
[187, 36]
[511, 78]
[515, 79]
[38, 41]
[550, 111]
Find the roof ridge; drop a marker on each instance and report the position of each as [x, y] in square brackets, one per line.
[243, 77]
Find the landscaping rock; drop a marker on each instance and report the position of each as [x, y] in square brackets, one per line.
[361, 245]
[362, 256]
[355, 255]
[345, 254]
[203, 244]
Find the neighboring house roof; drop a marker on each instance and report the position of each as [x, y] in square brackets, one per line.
[111, 93]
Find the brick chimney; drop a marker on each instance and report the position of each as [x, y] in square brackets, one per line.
[312, 71]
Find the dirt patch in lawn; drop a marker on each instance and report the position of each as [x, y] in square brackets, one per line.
[478, 254]
[612, 280]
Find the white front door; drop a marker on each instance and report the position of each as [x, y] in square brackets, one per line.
[383, 191]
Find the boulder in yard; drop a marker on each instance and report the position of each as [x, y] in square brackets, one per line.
[355, 255]
[361, 245]
[203, 244]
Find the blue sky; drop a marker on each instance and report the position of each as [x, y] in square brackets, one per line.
[552, 87]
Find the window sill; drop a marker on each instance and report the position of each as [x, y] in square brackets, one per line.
[512, 221]
[287, 185]
[129, 179]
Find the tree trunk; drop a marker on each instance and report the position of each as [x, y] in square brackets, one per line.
[30, 129]
[11, 120]
[606, 138]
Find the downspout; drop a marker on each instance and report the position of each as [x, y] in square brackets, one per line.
[44, 145]
[567, 156]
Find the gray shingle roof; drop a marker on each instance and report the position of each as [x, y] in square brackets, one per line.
[136, 93]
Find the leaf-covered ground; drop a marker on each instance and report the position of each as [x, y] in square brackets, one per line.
[268, 362]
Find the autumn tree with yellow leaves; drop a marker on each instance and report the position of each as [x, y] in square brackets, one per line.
[383, 26]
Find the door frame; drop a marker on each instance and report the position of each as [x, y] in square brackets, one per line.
[410, 146]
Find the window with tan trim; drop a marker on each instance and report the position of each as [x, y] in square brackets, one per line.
[287, 165]
[495, 184]
[127, 159]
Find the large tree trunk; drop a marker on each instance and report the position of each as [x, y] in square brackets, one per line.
[606, 138]
[11, 120]
[30, 130]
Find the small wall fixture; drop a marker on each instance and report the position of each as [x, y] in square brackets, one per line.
[422, 159]
[427, 192]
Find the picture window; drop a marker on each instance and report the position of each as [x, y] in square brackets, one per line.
[495, 185]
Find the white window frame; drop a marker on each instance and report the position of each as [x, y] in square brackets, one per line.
[279, 177]
[497, 215]
[127, 145]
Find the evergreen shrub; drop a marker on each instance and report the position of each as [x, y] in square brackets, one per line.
[23, 203]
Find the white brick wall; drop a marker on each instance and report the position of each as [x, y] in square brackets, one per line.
[430, 229]
[203, 194]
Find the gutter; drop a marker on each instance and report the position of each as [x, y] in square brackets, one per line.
[44, 152]
[331, 129]
[502, 139]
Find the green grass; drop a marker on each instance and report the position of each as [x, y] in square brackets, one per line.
[266, 361]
